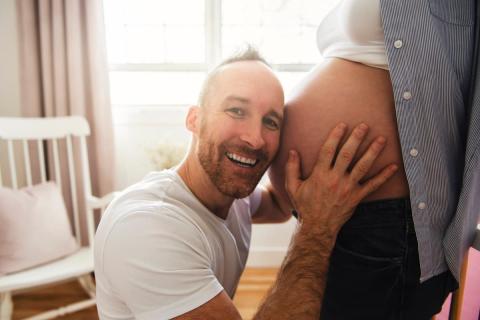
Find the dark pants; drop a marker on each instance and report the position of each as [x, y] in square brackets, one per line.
[374, 269]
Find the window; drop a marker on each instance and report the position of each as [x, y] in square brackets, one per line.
[160, 50]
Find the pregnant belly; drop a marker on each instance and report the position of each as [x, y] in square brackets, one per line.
[341, 91]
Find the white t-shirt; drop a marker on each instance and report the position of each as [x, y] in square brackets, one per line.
[160, 253]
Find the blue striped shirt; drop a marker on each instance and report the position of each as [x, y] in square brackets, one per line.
[431, 70]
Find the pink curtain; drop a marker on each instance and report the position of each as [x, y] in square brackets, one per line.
[64, 72]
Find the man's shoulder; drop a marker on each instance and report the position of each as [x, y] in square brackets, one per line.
[151, 193]
[140, 227]
[155, 202]
[153, 186]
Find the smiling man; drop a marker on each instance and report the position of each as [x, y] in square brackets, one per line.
[175, 244]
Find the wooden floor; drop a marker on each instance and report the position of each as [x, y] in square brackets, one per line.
[253, 286]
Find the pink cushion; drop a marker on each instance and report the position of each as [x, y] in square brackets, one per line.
[34, 227]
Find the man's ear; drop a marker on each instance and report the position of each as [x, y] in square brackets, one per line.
[192, 122]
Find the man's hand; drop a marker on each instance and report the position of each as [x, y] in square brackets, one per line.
[328, 197]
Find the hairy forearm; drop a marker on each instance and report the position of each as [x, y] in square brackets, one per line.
[302, 275]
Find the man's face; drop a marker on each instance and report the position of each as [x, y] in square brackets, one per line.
[240, 126]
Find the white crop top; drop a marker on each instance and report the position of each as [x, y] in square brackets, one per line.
[353, 31]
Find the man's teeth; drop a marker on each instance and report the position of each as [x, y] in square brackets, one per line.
[243, 160]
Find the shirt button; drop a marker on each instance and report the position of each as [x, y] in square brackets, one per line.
[398, 44]
[422, 205]
[407, 95]
[414, 152]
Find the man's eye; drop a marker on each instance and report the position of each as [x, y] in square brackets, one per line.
[271, 124]
[236, 112]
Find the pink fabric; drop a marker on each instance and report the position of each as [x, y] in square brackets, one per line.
[34, 227]
[64, 72]
[470, 309]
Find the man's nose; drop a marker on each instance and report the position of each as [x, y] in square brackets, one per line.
[253, 136]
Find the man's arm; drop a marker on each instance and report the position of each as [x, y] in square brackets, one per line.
[325, 201]
[273, 208]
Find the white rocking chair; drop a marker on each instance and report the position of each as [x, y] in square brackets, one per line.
[19, 132]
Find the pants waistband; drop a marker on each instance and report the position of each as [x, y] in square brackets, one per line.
[384, 212]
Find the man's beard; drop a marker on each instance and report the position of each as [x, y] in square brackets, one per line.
[227, 182]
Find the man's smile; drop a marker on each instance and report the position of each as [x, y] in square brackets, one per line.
[240, 160]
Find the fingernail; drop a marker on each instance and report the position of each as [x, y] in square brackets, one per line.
[363, 126]
[381, 140]
[342, 126]
[292, 154]
[394, 167]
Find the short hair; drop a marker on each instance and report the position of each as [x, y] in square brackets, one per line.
[245, 53]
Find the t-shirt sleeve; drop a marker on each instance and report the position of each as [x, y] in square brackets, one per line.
[159, 265]
[255, 199]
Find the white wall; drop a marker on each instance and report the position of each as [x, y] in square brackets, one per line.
[138, 130]
[9, 65]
